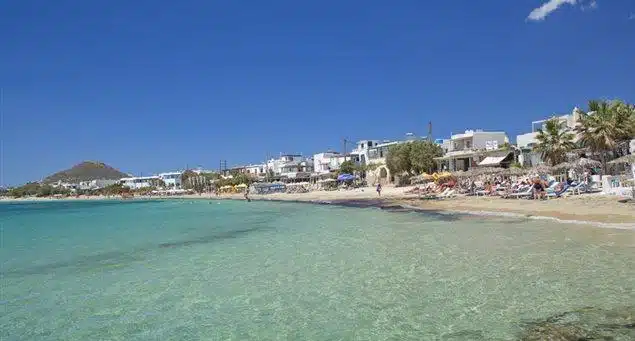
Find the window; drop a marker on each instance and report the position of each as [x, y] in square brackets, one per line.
[468, 144]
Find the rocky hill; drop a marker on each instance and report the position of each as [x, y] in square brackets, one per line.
[85, 171]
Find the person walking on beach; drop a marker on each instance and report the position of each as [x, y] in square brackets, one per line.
[379, 189]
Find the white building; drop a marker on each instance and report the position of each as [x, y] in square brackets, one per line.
[290, 166]
[526, 142]
[65, 185]
[137, 182]
[172, 179]
[330, 161]
[324, 163]
[444, 144]
[255, 170]
[96, 184]
[474, 148]
[361, 150]
[201, 171]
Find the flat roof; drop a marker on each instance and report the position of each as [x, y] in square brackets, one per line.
[140, 178]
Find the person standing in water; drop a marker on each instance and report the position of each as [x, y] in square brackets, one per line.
[379, 189]
[247, 194]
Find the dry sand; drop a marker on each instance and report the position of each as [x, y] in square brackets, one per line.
[585, 208]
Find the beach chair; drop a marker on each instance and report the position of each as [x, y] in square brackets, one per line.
[448, 194]
[579, 188]
[524, 193]
[557, 194]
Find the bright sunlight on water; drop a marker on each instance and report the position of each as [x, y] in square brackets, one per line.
[194, 270]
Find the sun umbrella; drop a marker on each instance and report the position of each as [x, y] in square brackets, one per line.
[563, 166]
[345, 177]
[584, 163]
[421, 178]
[458, 174]
[491, 170]
[541, 169]
[514, 171]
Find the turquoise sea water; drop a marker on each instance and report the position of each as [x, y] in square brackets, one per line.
[231, 270]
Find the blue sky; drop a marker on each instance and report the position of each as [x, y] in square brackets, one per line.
[150, 86]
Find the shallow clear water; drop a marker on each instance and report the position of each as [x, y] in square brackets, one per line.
[191, 270]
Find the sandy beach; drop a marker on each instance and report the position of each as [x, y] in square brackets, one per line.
[592, 208]
[587, 208]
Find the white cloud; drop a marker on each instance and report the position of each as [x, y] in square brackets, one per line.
[543, 11]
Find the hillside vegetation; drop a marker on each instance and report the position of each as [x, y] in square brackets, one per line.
[85, 171]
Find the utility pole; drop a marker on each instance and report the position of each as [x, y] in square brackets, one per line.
[345, 142]
[430, 131]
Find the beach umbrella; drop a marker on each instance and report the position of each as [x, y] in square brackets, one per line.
[541, 169]
[476, 171]
[421, 178]
[443, 175]
[491, 170]
[345, 177]
[427, 176]
[563, 166]
[514, 171]
[459, 174]
[584, 163]
[626, 159]
[468, 173]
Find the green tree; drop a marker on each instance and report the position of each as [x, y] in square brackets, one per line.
[186, 179]
[241, 178]
[604, 125]
[398, 158]
[145, 190]
[211, 176]
[158, 183]
[114, 189]
[422, 154]
[347, 167]
[269, 174]
[27, 190]
[554, 141]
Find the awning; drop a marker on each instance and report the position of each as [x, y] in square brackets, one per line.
[492, 161]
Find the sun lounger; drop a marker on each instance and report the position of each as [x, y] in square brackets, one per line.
[579, 188]
[525, 193]
[557, 194]
[448, 194]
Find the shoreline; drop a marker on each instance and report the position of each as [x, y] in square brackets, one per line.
[401, 205]
[589, 209]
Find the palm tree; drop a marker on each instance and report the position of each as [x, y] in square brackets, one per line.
[605, 125]
[554, 141]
